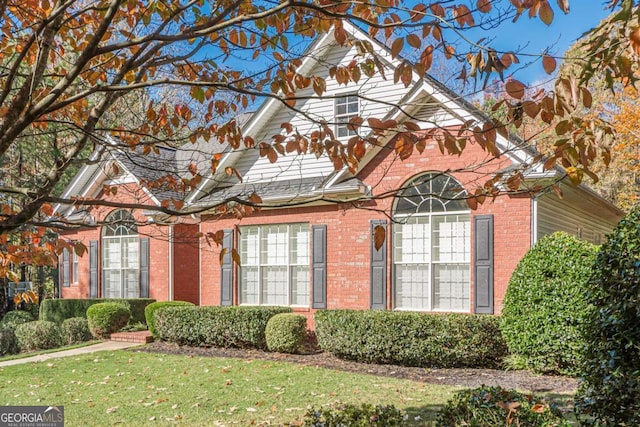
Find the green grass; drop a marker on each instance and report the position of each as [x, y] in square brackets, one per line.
[51, 350]
[136, 388]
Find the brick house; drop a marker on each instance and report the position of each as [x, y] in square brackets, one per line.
[314, 246]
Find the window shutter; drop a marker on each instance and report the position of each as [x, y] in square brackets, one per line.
[226, 270]
[378, 269]
[65, 268]
[483, 264]
[319, 266]
[93, 269]
[144, 267]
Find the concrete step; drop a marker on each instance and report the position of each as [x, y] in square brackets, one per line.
[143, 337]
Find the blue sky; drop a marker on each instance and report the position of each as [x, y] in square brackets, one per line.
[533, 36]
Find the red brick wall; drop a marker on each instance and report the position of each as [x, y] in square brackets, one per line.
[158, 247]
[186, 261]
[348, 228]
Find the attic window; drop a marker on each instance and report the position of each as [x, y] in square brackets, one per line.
[346, 107]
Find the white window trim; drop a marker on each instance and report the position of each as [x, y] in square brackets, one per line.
[337, 117]
[399, 218]
[289, 265]
[74, 267]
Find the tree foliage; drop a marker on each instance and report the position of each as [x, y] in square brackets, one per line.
[78, 74]
[609, 394]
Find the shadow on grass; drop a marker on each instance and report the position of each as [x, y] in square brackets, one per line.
[425, 416]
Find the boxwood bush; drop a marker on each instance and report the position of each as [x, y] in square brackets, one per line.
[76, 330]
[412, 339]
[38, 335]
[497, 407]
[8, 340]
[609, 394]
[545, 305]
[57, 310]
[365, 415]
[215, 326]
[286, 332]
[105, 318]
[151, 308]
[16, 317]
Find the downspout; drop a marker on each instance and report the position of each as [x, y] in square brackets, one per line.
[534, 220]
[170, 291]
[199, 266]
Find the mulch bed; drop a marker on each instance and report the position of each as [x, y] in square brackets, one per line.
[521, 380]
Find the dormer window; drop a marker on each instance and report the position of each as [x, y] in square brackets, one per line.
[346, 107]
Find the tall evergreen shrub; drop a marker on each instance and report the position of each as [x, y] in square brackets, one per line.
[545, 305]
[609, 394]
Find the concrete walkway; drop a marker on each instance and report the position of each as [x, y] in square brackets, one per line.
[103, 346]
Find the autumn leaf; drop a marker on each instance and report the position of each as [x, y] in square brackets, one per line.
[379, 236]
[515, 89]
[549, 64]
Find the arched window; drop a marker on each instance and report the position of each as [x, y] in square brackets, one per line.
[431, 242]
[120, 256]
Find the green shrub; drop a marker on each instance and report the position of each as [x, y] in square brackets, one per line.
[105, 318]
[215, 326]
[151, 308]
[545, 305]
[355, 416]
[16, 317]
[8, 340]
[412, 339]
[497, 407]
[38, 335]
[57, 310]
[286, 332]
[609, 394]
[76, 330]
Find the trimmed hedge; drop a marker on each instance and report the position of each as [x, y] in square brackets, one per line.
[497, 407]
[76, 330]
[286, 332]
[38, 335]
[105, 318]
[412, 339]
[57, 310]
[545, 306]
[8, 340]
[215, 326]
[609, 394]
[151, 308]
[16, 317]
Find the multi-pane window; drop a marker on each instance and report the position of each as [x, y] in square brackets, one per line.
[74, 268]
[346, 107]
[120, 256]
[432, 245]
[275, 265]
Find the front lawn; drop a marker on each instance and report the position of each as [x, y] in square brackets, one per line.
[131, 388]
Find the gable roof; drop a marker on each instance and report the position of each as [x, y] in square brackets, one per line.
[421, 100]
[421, 88]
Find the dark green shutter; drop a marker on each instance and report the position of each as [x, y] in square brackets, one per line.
[319, 266]
[93, 269]
[65, 268]
[226, 270]
[483, 264]
[144, 267]
[378, 269]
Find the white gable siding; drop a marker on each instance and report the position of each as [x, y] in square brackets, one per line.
[379, 94]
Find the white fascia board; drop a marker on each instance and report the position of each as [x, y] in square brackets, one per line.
[512, 151]
[269, 107]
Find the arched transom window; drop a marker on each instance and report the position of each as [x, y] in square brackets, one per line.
[432, 243]
[120, 256]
